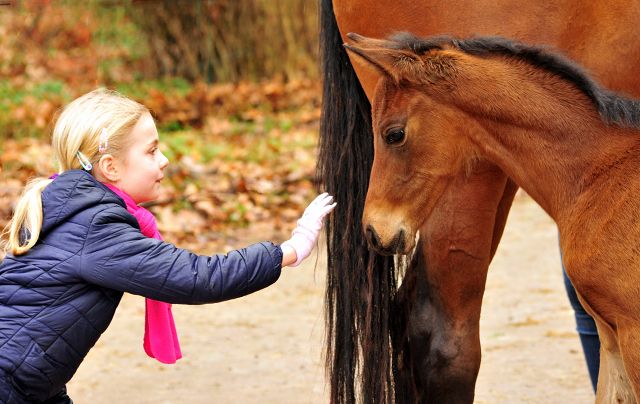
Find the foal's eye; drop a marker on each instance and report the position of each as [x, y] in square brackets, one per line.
[394, 136]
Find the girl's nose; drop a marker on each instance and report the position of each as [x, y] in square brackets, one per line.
[163, 161]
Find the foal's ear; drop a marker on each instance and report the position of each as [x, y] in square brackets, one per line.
[369, 43]
[394, 60]
[395, 63]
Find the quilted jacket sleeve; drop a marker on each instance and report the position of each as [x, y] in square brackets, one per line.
[117, 256]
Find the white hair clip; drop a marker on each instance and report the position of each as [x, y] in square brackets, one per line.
[104, 137]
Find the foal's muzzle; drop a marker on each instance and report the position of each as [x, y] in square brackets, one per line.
[396, 246]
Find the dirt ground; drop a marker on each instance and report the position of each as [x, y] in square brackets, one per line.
[267, 348]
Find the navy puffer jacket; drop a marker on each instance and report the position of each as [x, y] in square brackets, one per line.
[59, 297]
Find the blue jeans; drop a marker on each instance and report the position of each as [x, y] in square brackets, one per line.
[587, 330]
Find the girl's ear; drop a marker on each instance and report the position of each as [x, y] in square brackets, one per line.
[108, 167]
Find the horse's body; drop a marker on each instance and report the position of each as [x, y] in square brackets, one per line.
[438, 307]
[444, 105]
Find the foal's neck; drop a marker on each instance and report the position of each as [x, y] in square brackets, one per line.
[560, 150]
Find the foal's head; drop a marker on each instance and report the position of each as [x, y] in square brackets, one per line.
[432, 103]
[418, 139]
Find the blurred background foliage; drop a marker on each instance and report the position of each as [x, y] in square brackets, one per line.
[57, 50]
[229, 40]
[233, 85]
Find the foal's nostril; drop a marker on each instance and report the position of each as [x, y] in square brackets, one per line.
[372, 237]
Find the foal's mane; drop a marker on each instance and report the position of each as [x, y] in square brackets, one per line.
[613, 108]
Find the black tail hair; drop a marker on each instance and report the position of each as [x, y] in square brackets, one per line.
[365, 333]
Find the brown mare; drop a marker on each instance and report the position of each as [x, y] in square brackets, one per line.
[421, 343]
[445, 105]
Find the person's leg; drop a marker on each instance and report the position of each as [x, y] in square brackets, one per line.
[60, 398]
[586, 327]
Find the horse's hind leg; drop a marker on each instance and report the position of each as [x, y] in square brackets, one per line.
[457, 245]
[619, 365]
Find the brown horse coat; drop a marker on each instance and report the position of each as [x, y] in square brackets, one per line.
[443, 288]
[444, 104]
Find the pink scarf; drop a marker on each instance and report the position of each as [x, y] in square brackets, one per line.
[160, 337]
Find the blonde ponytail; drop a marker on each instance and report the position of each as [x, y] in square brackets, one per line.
[24, 228]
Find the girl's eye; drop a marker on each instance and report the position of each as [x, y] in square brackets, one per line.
[394, 136]
[153, 150]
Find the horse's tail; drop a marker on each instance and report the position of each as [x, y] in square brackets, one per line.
[363, 329]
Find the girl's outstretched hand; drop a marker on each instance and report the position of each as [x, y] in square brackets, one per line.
[305, 236]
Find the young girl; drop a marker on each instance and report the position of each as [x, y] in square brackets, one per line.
[79, 240]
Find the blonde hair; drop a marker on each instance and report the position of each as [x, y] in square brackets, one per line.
[78, 129]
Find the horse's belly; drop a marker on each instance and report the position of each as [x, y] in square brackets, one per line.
[608, 47]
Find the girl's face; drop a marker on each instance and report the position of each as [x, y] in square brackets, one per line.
[142, 167]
